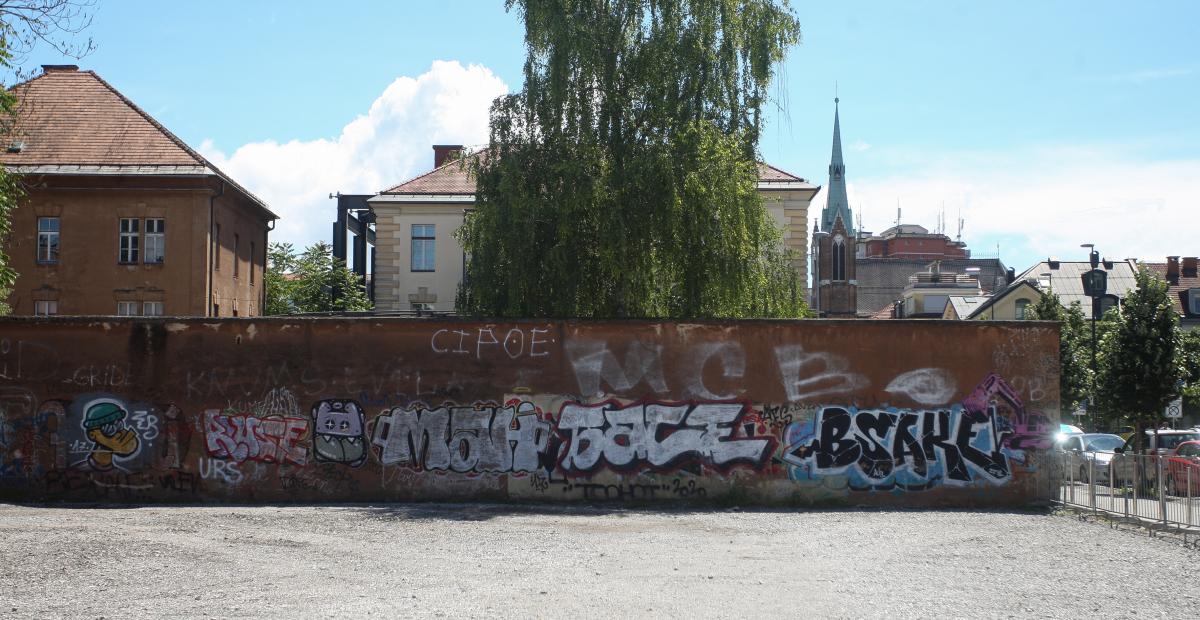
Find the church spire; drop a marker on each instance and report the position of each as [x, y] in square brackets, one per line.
[835, 200]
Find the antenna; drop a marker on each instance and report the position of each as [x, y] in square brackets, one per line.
[897, 212]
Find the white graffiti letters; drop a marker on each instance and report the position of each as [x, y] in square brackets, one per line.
[462, 439]
[809, 375]
[656, 435]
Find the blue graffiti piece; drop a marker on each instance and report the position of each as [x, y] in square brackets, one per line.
[974, 451]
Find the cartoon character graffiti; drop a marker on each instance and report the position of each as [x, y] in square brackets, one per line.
[338, 432]
[112, 440]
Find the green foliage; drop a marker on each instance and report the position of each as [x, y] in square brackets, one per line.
[1139, 369]
[1189, 362]
[312, 281]
[621, 182]
[11, 190]
[1074, 348]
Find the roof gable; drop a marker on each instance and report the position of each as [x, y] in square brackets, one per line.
[74, 122]
[76, 118]
[454, 178]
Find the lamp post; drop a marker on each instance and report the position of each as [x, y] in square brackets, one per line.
[1095, 285]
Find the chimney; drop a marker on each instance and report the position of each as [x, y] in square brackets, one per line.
[1189, 266]
[1172, 270]
[59, 68]
[443, 153]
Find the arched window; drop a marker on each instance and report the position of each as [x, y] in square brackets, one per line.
[839, 259]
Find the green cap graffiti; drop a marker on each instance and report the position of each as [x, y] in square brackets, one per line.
[102, 413]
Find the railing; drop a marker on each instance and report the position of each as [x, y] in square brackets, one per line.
[1159, 491]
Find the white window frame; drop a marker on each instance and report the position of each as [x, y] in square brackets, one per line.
[128, 246]
[427, 242]
[155, 251]
[45, 307]
[152, 308]
[127, 308]
[1194, 300]
[49, 238]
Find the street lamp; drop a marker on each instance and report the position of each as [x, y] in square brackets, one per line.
[1095, 284]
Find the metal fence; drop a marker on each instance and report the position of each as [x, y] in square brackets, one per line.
[1159, 491]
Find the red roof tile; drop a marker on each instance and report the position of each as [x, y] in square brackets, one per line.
[1177, 292]
[72, 118]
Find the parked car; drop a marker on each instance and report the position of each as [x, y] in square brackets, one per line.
[1161, 442]
[1064, 431]
[1095, 453]
[1183, 468]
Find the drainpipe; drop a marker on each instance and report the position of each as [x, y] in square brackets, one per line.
[262, 280]
[213, 246]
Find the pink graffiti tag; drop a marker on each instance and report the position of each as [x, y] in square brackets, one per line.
[246, 437]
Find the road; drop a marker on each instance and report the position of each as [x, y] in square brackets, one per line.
[487, 560]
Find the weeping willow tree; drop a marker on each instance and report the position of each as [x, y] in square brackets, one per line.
[621, 181]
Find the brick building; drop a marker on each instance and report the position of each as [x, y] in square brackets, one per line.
[120, 216]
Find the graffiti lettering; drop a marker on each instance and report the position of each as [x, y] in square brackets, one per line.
[484, 341]
[900, 448]
[218, 469]
[809, 375]
[246, 437]
[656, 435]
[462, 439]
[594, 364]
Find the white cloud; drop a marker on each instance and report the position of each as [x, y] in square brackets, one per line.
[389, 144]
[860, 146]
[1040, 202]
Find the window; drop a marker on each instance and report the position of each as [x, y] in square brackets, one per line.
[839, 260]
[423, 239]
[129, 240]
[252, 263]
[45, 307]
[216, 310]
[237, 243]
[47, 248]
[152, 308]
[1194, 301]
[1022, 308]
[216, 246]
[156, 238]
[127, 308]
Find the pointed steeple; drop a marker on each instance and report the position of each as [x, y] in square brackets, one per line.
[835, 201]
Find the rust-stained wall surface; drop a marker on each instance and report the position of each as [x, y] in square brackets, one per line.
[909, 413]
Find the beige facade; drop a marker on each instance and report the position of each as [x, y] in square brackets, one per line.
[401, 288]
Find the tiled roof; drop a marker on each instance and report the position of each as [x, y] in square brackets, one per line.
[882, 280]
[73, 122]
[989, 302]
[885, 312]
[1066, 280]
[454, 178]
[1178, 291]
[965, 305]
[767, 172]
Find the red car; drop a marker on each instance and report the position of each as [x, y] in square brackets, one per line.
[1184, 460]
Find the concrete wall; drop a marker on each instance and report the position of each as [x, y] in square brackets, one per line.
[912, 413]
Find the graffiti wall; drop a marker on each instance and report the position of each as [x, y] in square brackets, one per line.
[905, 413]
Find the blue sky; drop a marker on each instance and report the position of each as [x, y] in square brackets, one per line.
[1045, 124]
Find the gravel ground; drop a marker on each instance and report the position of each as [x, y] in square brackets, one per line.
[487, 560]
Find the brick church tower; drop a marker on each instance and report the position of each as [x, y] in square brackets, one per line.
[835, 289]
